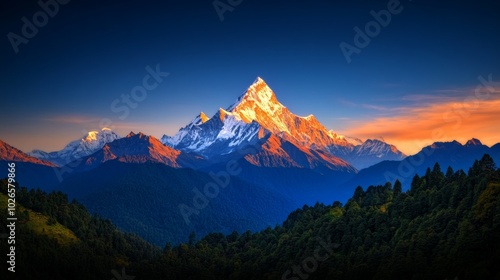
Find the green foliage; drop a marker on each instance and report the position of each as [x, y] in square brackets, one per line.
[447, 226]
[62, 240]
[51, 221]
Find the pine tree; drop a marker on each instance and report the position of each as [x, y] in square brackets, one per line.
[398, 189]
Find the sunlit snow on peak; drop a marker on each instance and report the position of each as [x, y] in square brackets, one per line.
[91, 136]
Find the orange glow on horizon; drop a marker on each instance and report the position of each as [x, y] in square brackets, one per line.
[414, 128]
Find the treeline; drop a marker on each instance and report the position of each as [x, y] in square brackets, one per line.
[447, 226]
[100, 247]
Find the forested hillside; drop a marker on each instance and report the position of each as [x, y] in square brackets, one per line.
[58, 239]
[447, 226]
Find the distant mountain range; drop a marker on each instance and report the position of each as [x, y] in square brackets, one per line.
[284, 161]
[256, 114]
[94, 141]
[164, 204]
[447, 154]
[140, 148]
[29, 171]
[277, 137]
[9, 153]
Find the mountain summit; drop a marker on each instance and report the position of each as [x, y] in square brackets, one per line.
[254, 116]
[9, 153]
[91, 143]
[138, 148]
[259, 104]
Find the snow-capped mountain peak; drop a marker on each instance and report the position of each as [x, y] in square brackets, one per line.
[95, 140]
[257, 91]
[91, 136]
[200, 119]
[258, 110]
[260, 104]
[258, 101]
[203, 117]
[366, 153]
[353, 140]
[260, 92]
[89, 144]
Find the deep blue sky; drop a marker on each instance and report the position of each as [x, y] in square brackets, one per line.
[64, 79]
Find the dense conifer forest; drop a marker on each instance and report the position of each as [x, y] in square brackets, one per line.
[446, 226]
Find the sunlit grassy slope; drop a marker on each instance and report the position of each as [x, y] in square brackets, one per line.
[39, 224]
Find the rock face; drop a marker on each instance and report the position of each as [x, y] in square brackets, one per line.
[257, 114]
[140, 148]
[91, 143]
[9, 153]
[277, 137]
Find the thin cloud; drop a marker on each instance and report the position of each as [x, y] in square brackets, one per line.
[391, 85]
[346, 102]
[424, 98]
[343, 119]
[412, 128]
[68, 119]
[374, 107]
[87, 123]
[454, 94]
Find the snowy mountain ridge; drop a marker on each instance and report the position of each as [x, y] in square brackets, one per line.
[258, 110]
[91, 143]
